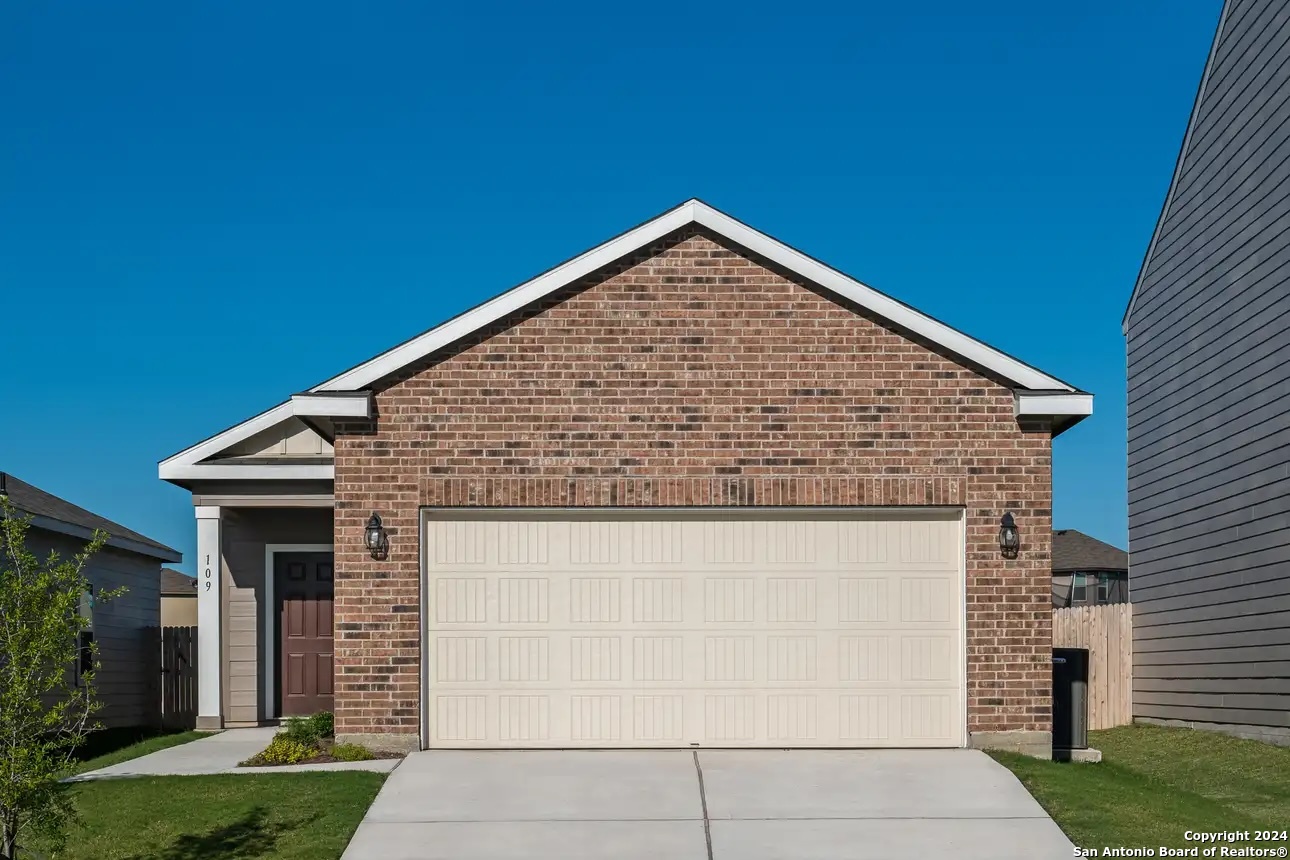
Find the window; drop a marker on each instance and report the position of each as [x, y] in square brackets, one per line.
[1079, 589]
[85, 639]
[1104, 588]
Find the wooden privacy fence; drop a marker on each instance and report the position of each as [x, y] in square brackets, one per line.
[177, 678]
[1107, 632]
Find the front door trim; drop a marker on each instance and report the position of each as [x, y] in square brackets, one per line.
[269, 620]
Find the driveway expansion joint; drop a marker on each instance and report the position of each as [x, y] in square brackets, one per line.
[703, 801]
[754, 805]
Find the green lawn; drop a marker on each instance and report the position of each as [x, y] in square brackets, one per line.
[113, 746]
[306, 816]
[1155, 783]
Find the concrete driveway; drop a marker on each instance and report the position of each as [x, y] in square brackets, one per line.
[723, 804]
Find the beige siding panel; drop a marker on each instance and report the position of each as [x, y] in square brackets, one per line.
[241, 699]
[242, 683]
[241, 653]
[291, 438]
[179, 611]
[667, 629]
[246, 532]
[240, 623]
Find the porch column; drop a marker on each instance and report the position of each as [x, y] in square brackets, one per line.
[209, 568]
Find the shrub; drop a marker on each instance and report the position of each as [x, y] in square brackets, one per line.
[351, 752]
[299, 730]
[310, 730]
[284, 749]
[324, 723]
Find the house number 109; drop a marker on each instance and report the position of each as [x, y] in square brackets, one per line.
[206, 574]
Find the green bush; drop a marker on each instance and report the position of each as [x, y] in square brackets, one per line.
[284, 749]
[310, 730]
[351, 752]
[324, 723]
[300, 730]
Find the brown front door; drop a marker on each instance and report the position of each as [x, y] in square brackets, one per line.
[304, 587]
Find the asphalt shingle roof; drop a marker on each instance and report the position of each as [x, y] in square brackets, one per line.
[174, 582]
[1074, 550]
[37, 503]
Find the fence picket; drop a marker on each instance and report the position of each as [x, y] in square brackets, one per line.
[178, 684]
[1107, 633]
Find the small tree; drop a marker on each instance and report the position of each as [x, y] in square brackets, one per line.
[46, 707]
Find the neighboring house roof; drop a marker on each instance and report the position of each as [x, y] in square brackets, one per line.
[176, 584]
[1073, 550]
[348, 395]
[1178, 166]
[51, 513]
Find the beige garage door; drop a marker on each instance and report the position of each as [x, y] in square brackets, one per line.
[680, 629]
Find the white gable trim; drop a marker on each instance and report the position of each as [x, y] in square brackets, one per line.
[182, 466]
[187, 465]
[217, 443]
[509, 302]
[692, 212]
[344, 404]
[248, 471]
[1052, 403]
[1018, 372]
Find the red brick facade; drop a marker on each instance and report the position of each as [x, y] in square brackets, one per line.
[691, 374]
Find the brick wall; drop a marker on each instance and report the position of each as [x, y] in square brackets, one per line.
[692, 374]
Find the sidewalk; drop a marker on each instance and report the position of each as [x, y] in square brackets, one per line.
[220, 753]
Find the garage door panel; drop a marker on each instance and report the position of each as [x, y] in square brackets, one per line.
[458, 600]
[596, 719]
[595, 600]
[735, 717]
[790, 660]
[456, 544]
[525, 719]
[678, 631]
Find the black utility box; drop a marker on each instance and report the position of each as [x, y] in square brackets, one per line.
[1070, 698]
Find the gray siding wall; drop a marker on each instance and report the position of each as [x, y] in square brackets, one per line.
[1208, 342]
[130, 696]
[246, 532]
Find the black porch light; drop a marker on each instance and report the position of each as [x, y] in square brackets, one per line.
[1009, 539]
[374, 536]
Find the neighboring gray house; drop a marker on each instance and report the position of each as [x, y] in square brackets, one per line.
[1087, 571]
[1208, 340]
[127, 652]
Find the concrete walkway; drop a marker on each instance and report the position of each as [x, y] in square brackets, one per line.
[726, 804]
[220, 753]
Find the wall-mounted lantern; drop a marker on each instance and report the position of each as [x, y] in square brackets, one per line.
[374, 536]
[1009, 539]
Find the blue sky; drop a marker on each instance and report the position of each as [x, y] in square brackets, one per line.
[205, 207]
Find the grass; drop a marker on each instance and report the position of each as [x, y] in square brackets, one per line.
[307, 816]
[1155, 783]
[113, 746]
